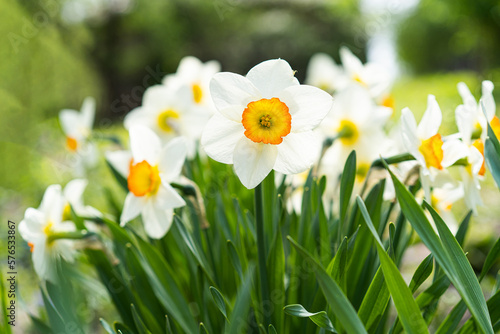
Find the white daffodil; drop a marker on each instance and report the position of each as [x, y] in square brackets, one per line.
[264, 121]
[37, 227]
[169, 112]
[370, 76]
[471, 132]
[445, 193]
[323, 73]
[356, 121]
[151, 171]
[195, 75]
[77, 126]
[470, 115]
[426, 144]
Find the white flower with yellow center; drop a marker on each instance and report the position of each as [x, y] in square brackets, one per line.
[323, 73]
[195, 75]
[355, 120]
[264, 121]
[39, 225]
[426, 144]
[77, 126]
[169, 113]
[151, 171]
[472, 117]
[370, 76]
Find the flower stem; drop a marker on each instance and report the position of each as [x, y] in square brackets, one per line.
[259, 224]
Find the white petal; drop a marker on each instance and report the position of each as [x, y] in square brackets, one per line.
[157, 97]
[157, 221]
[234, 113]
[409, 130]
[144, 144]
[465, 122]
[253, 161]
[88, 112]
[466, 95]
[31, 226]
[140, 116]
[220, 138]
[172, 158]
[43, 262]
[453, 150]
[476, 160]
[488, 100]
[351, 63]
[308, 106]
[70, 122]
[272, 76]
[167, 197]
[120, 160]
[297, 152]
[73, 191]
[52, 203]
[229, 89]
[132, 207]
[431, 121]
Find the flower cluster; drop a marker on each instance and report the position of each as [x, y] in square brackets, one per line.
[261, 122]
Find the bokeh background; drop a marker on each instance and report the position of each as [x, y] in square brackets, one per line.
[54, 53]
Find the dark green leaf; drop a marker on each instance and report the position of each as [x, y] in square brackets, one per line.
[319, 318]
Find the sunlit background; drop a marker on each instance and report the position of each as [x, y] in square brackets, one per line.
[54, 53]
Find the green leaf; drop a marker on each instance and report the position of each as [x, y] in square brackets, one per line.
[203, 329]
[464, 279]
[336, 299]
[106, 326]
[219, 300]
[423, 271]
[235, 259]
[238, 321]
[375, 302]
[122, 328]
[276, 274]
[492, 160]
[39, 325]
[193, 247]
[492, 257]
[416, 216]
[347, 185]
[408, 310]
[272, 330]
[164, 286]
[319, 318]
[139, 324]
[453, 319]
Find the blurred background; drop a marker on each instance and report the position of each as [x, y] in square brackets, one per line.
[54, 53]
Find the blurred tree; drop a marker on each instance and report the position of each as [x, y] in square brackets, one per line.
[451, 34]
[136, 49]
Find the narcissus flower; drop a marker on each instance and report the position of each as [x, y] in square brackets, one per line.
[370, 76]
[426, 144]
[170, 113]
[151, 170]
[323, 73]
[39, 225]
[77, 126]
[264, 121]
[472, 117]
[196, 76]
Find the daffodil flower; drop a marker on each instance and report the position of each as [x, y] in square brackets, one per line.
[470, 115]
[355, 120]
[39, 225]
[195, 75]
[370, 76]
[264, 121]
[323, 73]
[77, 126]
[426, 144]
[151, 171]
[169, 113]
